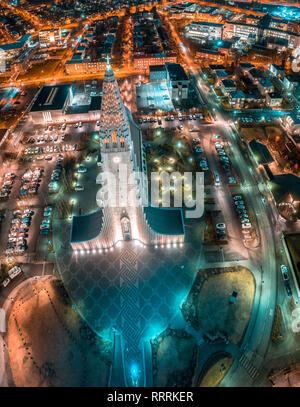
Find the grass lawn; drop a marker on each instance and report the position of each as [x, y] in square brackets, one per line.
[209, 230]
[213, 310]
[217, 372]
[175, 361]
[40, 71]
[48, 342]
[251, 133]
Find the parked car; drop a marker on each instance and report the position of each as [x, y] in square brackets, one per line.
[246, 225]
[288, 289]
[220, 226]
[6, 282]
[284, 271]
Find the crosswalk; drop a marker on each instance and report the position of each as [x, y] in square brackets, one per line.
[249, 367]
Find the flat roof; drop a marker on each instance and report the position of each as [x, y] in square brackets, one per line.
[222, 74]
[157, 68]
[261, 152]
[285, 184]
[206, 23]
[51, 98]
[95, 103]
[237, 94]
[256, 73]
[86, 227]
[176, 72]
[166, 221]
[266, 82]
[216, 67]
[228, 83]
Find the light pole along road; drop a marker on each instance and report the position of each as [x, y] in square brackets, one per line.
[264, 258]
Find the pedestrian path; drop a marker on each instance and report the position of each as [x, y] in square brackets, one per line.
[249, 367]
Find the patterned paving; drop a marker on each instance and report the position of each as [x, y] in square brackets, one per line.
[137, 290]
[147, 283]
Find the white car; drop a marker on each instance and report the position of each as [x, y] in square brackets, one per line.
[6, 282]
[246, 225]
[220, 226]
[284, 271]
[14, 272]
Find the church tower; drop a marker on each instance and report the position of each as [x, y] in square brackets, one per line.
[114, 125]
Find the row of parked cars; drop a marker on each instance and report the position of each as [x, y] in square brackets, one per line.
[199, 152]
[7, 184]
[171, 118]
[31, 181]
[51, 138]
[55, 175]
[12, 273]
[46, 222]
[59, 127]
[225, 162]
[18, 232]
[240, 207]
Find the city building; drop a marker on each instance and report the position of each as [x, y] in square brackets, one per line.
[277, 70]
[245, 67]
[52, 38]
[178, 81]
[265, 85]
[158, 73]
[273, 99]
[85, 66]
[14, 49]
[227, 86]
[207, 56]
[240, 30]
[291, 81]
[121, 147]
[292, 123]
[237, 98]
[200, 30]
[64, 103]
[255, 75]
[141, 63]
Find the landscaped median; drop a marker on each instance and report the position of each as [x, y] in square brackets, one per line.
[174, 354]
[215, 369]
[212, 307]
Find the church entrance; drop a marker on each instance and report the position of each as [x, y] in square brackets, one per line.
[125, 224]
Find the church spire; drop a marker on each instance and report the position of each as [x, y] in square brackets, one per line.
[114, 125]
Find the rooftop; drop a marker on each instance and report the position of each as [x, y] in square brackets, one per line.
[51, 98]
[86, 227]
[157, 68]
[285, 184]
[237, 94]
[228, 83]
[167, 221]
[205, 23]
[261, 152]
[176, 72]
[217, 67]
